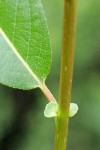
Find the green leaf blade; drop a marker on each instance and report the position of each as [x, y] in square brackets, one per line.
[25, 25]
[12, 71]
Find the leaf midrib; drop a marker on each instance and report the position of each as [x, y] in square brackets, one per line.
[40, 83]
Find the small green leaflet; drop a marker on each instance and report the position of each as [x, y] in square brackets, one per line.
[25, 52]
[51, 109]
[73, 109]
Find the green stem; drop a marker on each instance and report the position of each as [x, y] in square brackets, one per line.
[69, 27]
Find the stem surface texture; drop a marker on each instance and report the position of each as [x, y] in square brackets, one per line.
[67, 59]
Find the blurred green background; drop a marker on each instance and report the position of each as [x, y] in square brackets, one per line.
[22, 123]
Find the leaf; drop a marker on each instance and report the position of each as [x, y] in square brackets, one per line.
[25, 52]
[13, 70]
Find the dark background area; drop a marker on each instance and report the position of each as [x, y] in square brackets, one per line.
[22, 123]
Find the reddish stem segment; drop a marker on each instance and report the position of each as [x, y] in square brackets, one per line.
[47, 93]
